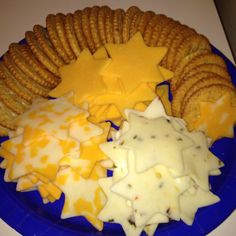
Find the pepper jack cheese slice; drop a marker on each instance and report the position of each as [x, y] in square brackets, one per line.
[217, 119]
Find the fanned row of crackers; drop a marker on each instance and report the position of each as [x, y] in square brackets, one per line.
[31, 69]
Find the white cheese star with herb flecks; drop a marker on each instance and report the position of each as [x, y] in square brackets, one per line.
[148, 191]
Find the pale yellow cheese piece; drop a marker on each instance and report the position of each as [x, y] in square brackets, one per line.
[83, 197]
[163, 92]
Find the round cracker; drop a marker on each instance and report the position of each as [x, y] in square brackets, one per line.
[161, 22]
[12, 100]
[20, 61]
[93, 23]
[61, 32]
[183, 33]
[210, 93]
[7, 117]
[38, 67]
[54, 38]
[43, 40]
[145, 18]
[77, 22]
[180, 67]
[71, 36]
[24, 79]
[118, 19]
[129, 14]
[189, 45]
[102, 13]
[108, 26]
[135, 22]
[86, 28]
[190, 83]
[39, 53]
[207, 58]
[209, 67]
[14, 85]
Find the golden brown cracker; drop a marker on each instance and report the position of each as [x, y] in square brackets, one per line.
[24, 79]
[39, 54]
[161, 22]
[49, 77]
[108, 26]
[86, 29]
[54, 38]
[129, 14]
[189, 45]
[209, 67]
[12, 100]
[93, 23]
[215, 79]
[135, 22]
[210, 93]
[20, 61]
[70, 34]
[102, 13]
[206, 58]
[145, 18]
[7, 117]
[189, 83]
[77, 22]
[61, 32]
[44, 42]
[180, 67]
[117, 25]
[183, 33]
[14, 85]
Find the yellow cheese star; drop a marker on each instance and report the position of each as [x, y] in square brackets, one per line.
[134, 63]
[217, 119]
[82, 77]
[144, 92]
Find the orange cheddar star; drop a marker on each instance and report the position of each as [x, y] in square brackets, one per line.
[82, 77]
[134, 63]
[217, 119]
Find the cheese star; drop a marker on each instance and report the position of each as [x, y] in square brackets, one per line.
[90, 153]
[217, 119]
[82, 77]
[155, 141]
[199, 161]
[190, 202]
[134, 63]
[143, 92]
[158, 183]
[83, 197]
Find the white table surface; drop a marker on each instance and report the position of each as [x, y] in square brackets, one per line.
[16, 17]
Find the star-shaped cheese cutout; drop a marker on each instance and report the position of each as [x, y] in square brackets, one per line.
[83, 197]
[190, 202]
[143, 92]
[198, 161]
[123, 212]
[217, 119]
[155, 141]
[83, 77]
[158, 183]
[135, 63]
[42, 155]
[90, 153]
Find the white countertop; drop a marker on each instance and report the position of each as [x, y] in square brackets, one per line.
[20, 16]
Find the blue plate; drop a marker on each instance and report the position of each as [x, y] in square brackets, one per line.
[26, 213]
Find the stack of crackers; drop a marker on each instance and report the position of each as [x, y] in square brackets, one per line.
[31, 69]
